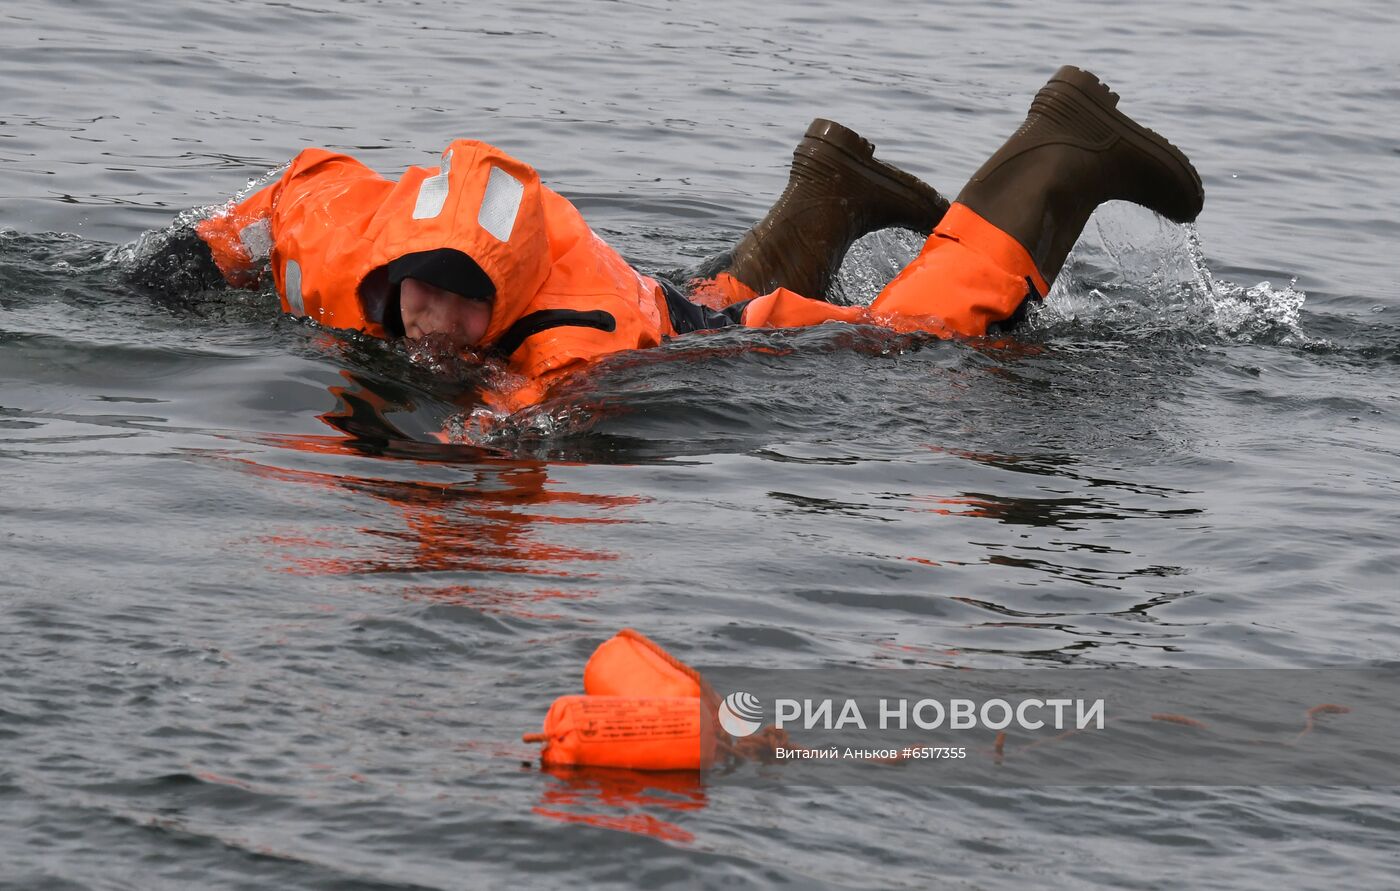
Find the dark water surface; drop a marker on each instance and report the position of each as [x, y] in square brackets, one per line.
[251, 636]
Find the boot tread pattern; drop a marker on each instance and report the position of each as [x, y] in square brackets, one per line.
[851, 147]
[1105, 101]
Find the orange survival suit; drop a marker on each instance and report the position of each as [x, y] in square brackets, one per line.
[482, 224]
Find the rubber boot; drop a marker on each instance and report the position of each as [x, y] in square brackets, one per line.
[1075, 151]
[836, 193]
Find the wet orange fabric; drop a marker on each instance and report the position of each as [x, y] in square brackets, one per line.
[653, 733]
[631, 664]
[311, 225]
[721, 291]
[969, 275]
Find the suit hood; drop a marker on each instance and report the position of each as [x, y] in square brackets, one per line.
[480, 212]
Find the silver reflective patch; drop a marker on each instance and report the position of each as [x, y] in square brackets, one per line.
[500, 204]
[292, 280]
[432, 193]
[257, 240]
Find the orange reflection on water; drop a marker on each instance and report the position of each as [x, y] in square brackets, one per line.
[614, 799]
[491, 523]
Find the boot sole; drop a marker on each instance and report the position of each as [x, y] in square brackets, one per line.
[1105, 102]
[862, 152]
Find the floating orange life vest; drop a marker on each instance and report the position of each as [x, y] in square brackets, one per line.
[642, 709]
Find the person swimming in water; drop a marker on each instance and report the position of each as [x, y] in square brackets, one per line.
[479, 253]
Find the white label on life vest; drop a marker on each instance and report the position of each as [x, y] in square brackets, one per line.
[257, 240]
[432, 193]
[500, 204]
[291, 280]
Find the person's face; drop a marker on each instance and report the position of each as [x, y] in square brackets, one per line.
[431, 310]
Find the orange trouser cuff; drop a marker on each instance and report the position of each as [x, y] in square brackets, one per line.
[722, 291]
[787, 309]
[970, 275]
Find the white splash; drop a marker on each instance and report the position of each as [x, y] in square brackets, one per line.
[1150, 277]
[151, 241]
[1157, 281]
[871, 263]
